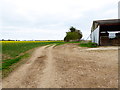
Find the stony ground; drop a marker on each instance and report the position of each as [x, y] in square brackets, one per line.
[67, 66]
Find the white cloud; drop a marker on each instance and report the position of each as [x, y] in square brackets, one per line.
[52, 17]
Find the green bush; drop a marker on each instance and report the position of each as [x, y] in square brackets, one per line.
[73, 34]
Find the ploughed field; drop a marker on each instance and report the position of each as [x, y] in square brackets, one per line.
[65, 66]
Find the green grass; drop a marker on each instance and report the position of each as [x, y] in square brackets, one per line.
[14, 49]
[17, 51]
[88, 44]
[7, 63]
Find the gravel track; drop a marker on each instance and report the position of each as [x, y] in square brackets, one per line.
[66, 66]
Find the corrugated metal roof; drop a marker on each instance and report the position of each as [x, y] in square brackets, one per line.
[105, 22]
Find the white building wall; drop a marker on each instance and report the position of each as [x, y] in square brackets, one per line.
[95, 36]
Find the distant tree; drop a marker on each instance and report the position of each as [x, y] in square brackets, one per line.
[79, 33]
[72, 29]
[3, 40]
[74, 34]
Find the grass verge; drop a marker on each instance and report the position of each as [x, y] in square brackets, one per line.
[88, 44]
[10, 64]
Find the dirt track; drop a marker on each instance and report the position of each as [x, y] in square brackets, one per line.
[66, 66]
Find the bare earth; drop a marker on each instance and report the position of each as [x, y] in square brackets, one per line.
[67, 66]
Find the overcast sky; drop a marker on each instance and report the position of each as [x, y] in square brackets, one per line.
[51, 19]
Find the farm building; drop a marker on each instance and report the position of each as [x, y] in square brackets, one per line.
[106, 32]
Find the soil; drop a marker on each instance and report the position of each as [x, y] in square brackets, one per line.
[67, 66]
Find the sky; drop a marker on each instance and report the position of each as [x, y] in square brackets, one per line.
[51, 19]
